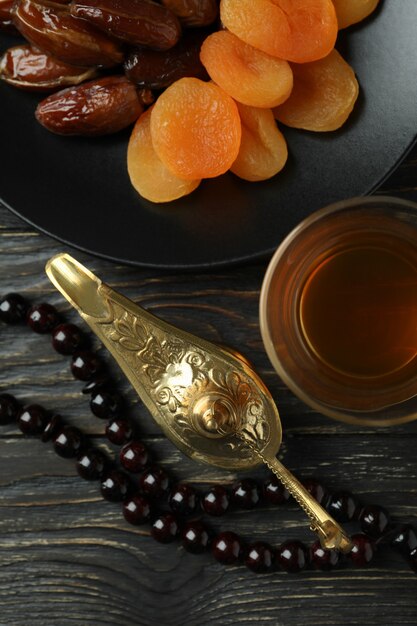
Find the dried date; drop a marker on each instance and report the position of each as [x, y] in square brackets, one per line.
[6, 21]
[6, 9]
[99, 107]
[51, 27]
[146, 97]
[32, 70]
[156, 70]
[138, 22]
[194, 12]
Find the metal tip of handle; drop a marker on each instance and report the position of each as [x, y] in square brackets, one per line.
[333, 537]
[77, 284]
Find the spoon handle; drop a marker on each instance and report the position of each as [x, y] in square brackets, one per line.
[331, 534]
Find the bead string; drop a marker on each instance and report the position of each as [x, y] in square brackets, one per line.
[140, 505]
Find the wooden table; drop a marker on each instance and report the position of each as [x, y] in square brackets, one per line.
[68, 558]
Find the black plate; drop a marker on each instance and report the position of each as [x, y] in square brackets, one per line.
[78, 190]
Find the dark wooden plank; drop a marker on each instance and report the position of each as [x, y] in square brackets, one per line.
[66, 557]
[61, 544]
[222, 309]
[31, 472]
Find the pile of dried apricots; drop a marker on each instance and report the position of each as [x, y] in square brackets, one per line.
[205, 101]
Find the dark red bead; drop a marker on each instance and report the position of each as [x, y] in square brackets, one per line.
[245, 494]
[374, 520]
[165, 528]
[85, 365]
[42, 318]
[13, 308]
[96, 384]
[363, 550]
[216, 501]
[260, 557]
[343, 506]
[134, 457]
[105, 405]
[323, 559]
[9, 409]
[154, 482]
[227, 548]
[183, 499]
[137, 510]
[51, 428]
[196, 537]
[68, 442]
[292, 556]
[91, 464]
[317, 490]
[67, 339]
[119, 431]
[32, 420]
[115, 486]
[274, 491]
[412, 559]
[405, 539]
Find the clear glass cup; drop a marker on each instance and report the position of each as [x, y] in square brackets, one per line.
[376, 400]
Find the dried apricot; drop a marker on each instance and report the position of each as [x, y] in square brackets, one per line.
[148, 174]
[323, 96]
[196, 129]
[248, 75]
[352, 11]
[295, 30]
[263, 149]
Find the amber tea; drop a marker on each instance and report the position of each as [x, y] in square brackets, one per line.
[339, 310]
[358, 308]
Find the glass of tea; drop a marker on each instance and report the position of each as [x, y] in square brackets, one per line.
[338, 311]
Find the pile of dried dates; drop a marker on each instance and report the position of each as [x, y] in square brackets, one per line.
[102, 59]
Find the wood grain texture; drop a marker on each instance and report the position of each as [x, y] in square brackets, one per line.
[68, 558]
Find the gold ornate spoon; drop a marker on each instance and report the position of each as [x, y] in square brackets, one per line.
[206, 398]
